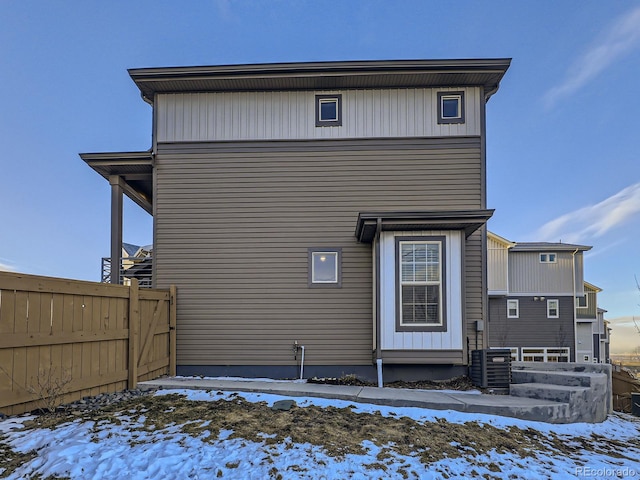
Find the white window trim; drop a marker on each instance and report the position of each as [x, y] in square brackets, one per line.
[517, 303]
[314, 252]
[457, 97]
[439, 283]
[546, 256]
[313, 266]
[327, 100]
[549, 302]
[586, 301]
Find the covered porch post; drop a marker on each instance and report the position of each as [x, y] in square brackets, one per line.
[116, 183]
[130, 174]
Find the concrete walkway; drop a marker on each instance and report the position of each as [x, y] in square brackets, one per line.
[505, 405]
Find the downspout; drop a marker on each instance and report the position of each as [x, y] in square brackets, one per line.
[378, 289]
[575, 312]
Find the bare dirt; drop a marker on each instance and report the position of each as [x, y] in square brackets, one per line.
[338, 431]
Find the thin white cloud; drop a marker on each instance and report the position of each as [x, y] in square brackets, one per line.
[6, 268]
[622, 37]
[594, 221]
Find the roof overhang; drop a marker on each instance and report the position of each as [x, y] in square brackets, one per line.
[467, 220]
[485, 73]
[549, 247]
[134, 169]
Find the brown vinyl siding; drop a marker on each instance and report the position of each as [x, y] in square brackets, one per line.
[532, 328]
[474, 291]
[234, 222]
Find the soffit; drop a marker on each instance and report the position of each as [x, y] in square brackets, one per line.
[134, 168]
[485, 73]
[467, 220]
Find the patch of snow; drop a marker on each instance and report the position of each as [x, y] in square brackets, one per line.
[82, 449]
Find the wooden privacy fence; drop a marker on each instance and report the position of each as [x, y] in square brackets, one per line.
[61, 340]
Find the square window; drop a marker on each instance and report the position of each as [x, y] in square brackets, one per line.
[450, 107]
[324, 267]
[328, 110]
[553, 308]
[513, 308]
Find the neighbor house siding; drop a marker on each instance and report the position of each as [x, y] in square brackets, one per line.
[497, 266]
[532, 328]
[232, 116]
[528, 276]
[234, 222]
[590, 311]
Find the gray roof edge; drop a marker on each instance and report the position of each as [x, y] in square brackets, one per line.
[288, 68]
[545, 246]
[105, 156]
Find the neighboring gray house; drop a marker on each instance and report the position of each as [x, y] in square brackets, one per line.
[591, 330]
[535, 293]
[339, 206]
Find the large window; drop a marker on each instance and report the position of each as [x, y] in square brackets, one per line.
[513, 308]
[421, 284]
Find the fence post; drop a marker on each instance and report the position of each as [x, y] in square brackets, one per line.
[172, 330]
[134, 322]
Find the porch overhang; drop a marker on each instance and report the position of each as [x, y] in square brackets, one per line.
[467, 220]
[134, 171]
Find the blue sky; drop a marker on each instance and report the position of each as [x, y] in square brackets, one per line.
[562, 151]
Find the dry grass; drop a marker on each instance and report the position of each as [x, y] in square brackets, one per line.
[338, 431]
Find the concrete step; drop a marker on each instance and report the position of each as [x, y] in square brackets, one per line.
[549, 391]
[571, 379]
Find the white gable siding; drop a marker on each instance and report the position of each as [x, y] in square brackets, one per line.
[199, 117]
[497, 266]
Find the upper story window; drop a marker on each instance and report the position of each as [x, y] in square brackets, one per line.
[581, 302]
[513, 308]
[450, 107]
[548, 258]
[324, 267]
[553, 308]
[328, 110]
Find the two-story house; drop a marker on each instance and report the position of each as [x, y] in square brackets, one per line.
[539, 301]
[592, 342]
[335, 206]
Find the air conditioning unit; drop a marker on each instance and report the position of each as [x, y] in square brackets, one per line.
[491, 369]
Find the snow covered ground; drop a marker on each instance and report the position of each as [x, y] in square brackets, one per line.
[131, 445]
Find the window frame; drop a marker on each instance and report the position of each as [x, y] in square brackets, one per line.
[320, 99]
[586, 301]
[549, 302]
[517, 302]
[311, 253]
[422, 327]
[442, 96]
[545, 257]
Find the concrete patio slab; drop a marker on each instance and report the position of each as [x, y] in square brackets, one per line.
[504, 405]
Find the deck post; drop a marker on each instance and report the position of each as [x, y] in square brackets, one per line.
[116, 228]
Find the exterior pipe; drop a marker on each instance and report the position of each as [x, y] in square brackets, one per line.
[377, 300]
[302, 363]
